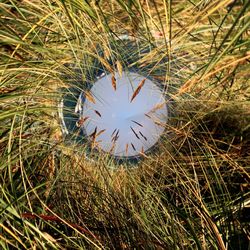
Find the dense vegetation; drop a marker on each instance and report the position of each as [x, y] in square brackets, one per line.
[191, 193]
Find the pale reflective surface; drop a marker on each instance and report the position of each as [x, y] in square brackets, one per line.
[122, 127]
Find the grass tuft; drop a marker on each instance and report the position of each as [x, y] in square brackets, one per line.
[192, 192]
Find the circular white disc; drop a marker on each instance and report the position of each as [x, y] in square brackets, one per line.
[119, 125]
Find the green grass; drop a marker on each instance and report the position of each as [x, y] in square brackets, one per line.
[192, 193]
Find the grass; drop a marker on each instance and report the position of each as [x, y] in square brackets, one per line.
[192, 193]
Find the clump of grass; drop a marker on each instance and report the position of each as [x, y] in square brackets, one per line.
[192, 193]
